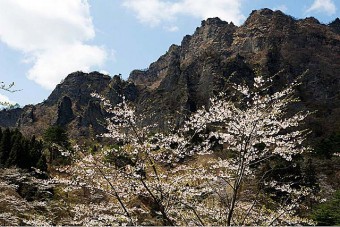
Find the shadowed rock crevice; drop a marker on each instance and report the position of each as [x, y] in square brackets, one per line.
[65, 112]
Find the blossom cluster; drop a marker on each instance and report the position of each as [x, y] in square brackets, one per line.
[206, 172]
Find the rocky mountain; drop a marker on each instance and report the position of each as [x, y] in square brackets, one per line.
[187, 75]
[269, 42]
[70, 105]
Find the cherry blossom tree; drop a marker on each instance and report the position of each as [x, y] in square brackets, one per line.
[7, 88]
[129, 171]
[221, 168]
[238, 138]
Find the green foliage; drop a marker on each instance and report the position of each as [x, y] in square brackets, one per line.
[56, 134]
[42, 163]
[118, 158]
[300, 172]
[16, 150]
[14, 106]
[57, 142]
[327, 147]
[328, 213]
[5, 146]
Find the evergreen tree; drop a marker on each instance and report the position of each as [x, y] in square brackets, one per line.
[25, 160]
[16, 150]
[35, 151]
[58, 135]
[14, 155]
[5, 146]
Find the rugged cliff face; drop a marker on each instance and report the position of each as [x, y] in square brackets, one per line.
[70, 105]
[184, 78]
[269, 42]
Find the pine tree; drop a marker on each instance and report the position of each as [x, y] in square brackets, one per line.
[25, 160]
[55, 138]
[35, 151]
[58, 135]
[5, 146]
[14, 155]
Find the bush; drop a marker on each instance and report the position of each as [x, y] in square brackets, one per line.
[328, 213]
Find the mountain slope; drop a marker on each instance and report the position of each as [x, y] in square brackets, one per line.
[269, 42]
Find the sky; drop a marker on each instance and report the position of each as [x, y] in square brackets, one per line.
[42, 41]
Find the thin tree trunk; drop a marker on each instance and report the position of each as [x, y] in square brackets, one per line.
[232, 207]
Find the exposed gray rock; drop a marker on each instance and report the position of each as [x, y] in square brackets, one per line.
[94, 117]
[335, 25]
[78, 86]
[9, 118]
[27, 186]
[65, 112]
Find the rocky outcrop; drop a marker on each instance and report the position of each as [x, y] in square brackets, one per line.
[65, 113]
[78, 86]
[72, 106]
[27, 184]
[269, 42]
[9, 118]
[27, 116]
[153, 76]
[118, 88]
[93, 117]
[335, 25]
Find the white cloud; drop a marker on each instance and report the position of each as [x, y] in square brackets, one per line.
[52, 35]
[104, 72]
[151, 12]
[5, 99]
[54, 64]
[322, 6]
[172, 28]
[113, 55]
[282, 8]
[155, 12]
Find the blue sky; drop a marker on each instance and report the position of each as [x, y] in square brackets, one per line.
[42, 41]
